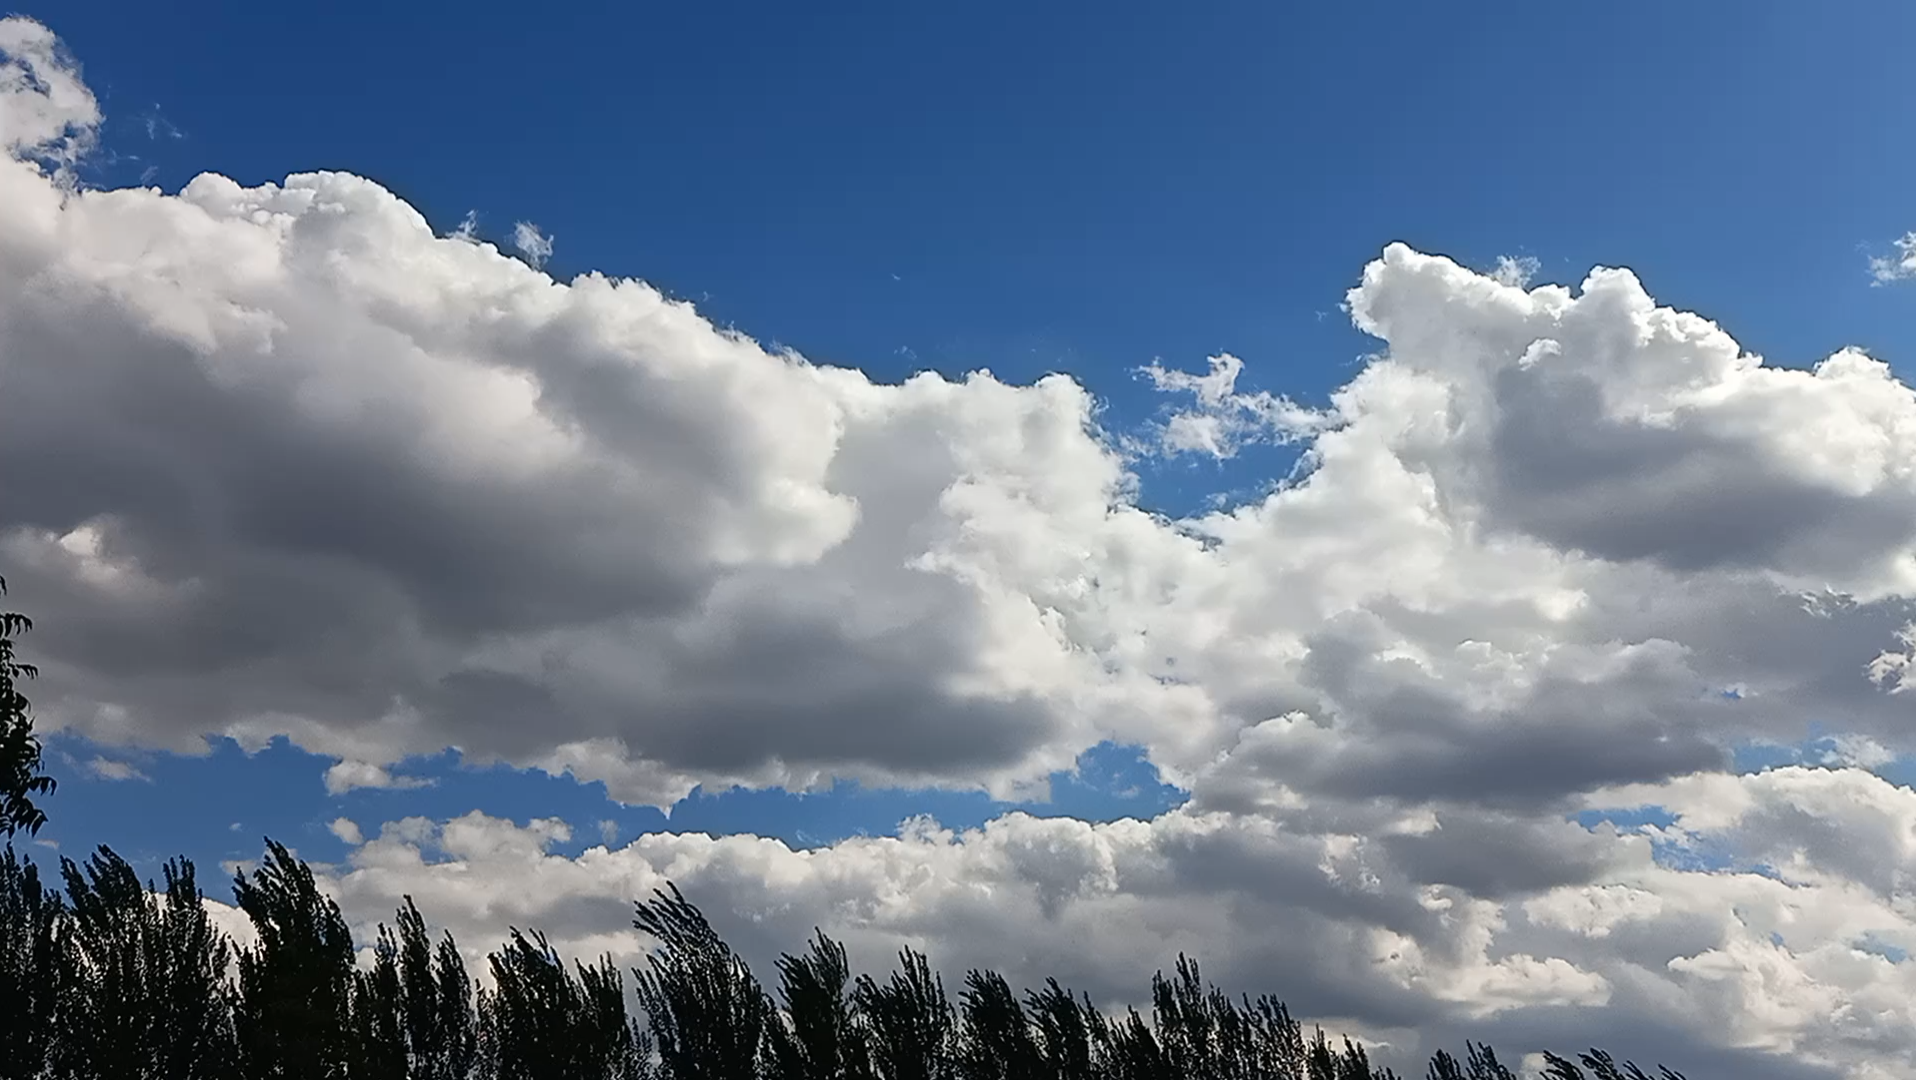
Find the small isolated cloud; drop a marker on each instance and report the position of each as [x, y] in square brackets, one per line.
[347, 830]
[1516, 272]
[108, 769]
[536, 246]
[350, 775]
[609, 831]
[468, 230]
[159, 127]
[1220, 420]
[1895, 267]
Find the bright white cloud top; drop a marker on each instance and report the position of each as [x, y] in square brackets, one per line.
[284, 460]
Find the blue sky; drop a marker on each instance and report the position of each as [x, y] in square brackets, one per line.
[1080, 188]
[281, 467]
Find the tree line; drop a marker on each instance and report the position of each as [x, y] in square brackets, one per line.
[107, 977]
[110, 978]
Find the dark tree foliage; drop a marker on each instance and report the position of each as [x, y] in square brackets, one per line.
[118, 979]
[1127, 1049]
[1322, 1061]
[914, 1030]
[1000, 1042]
[708, 1014]
[1602, 1067]
[1068, 1031]
[294, 1016]
[540, 1021]
[817, 1036]
[378, 1017]
[30, 919]
[142, 978]
[20, 775]
[412, 1012]
[1186, 1022]
[1480, 1063]
[435, 1002]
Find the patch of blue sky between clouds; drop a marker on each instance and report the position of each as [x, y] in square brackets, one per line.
[1870, 943]
[1828, 749]
[228, 801]
[1678, 849]
[1672, 846]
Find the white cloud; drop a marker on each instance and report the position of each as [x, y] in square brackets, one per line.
[109, 769]
[46, 111]
[1221, 420]
[533, 244]
[1515, 271]
[1902, 264]
[347, 830]
[344, 776]
[285, 462]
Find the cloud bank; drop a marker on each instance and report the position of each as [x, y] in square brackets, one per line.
[283, 460]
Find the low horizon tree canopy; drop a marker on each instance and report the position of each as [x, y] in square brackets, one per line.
[115, 978]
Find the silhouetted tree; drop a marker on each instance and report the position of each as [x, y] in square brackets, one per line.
[294, 1012]
[378, 1049]
[998, 1042]
[1480, 1064]
[1129, 1050]
[412, 1011]
[913, 1026]
[817, 1037]
[707, 1013]
[1186, 1024]
[143, 989]
[435, 1002]
[20, 775]
[541, 1022]
[1602, 1067]
[1277, 1040]
[1066, 1030]
[30, 917]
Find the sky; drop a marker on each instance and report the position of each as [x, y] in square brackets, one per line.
[1413, 504]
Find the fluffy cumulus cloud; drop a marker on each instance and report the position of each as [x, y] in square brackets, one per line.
[287, 461]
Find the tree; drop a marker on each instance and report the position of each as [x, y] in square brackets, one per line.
[20, 775]
[1128, 1050]
[998, 1041]
[378, 1016]
[435, 1000]
[913, 1027]
[707, 1013]
[541, 1022]
[294, 1011]
[818, 1036]
[142, 978]
[1186, 1023]
[412, 1011]
[1602, 1067]
[1067, 1029]
[30, 916]
[1480, 1064]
